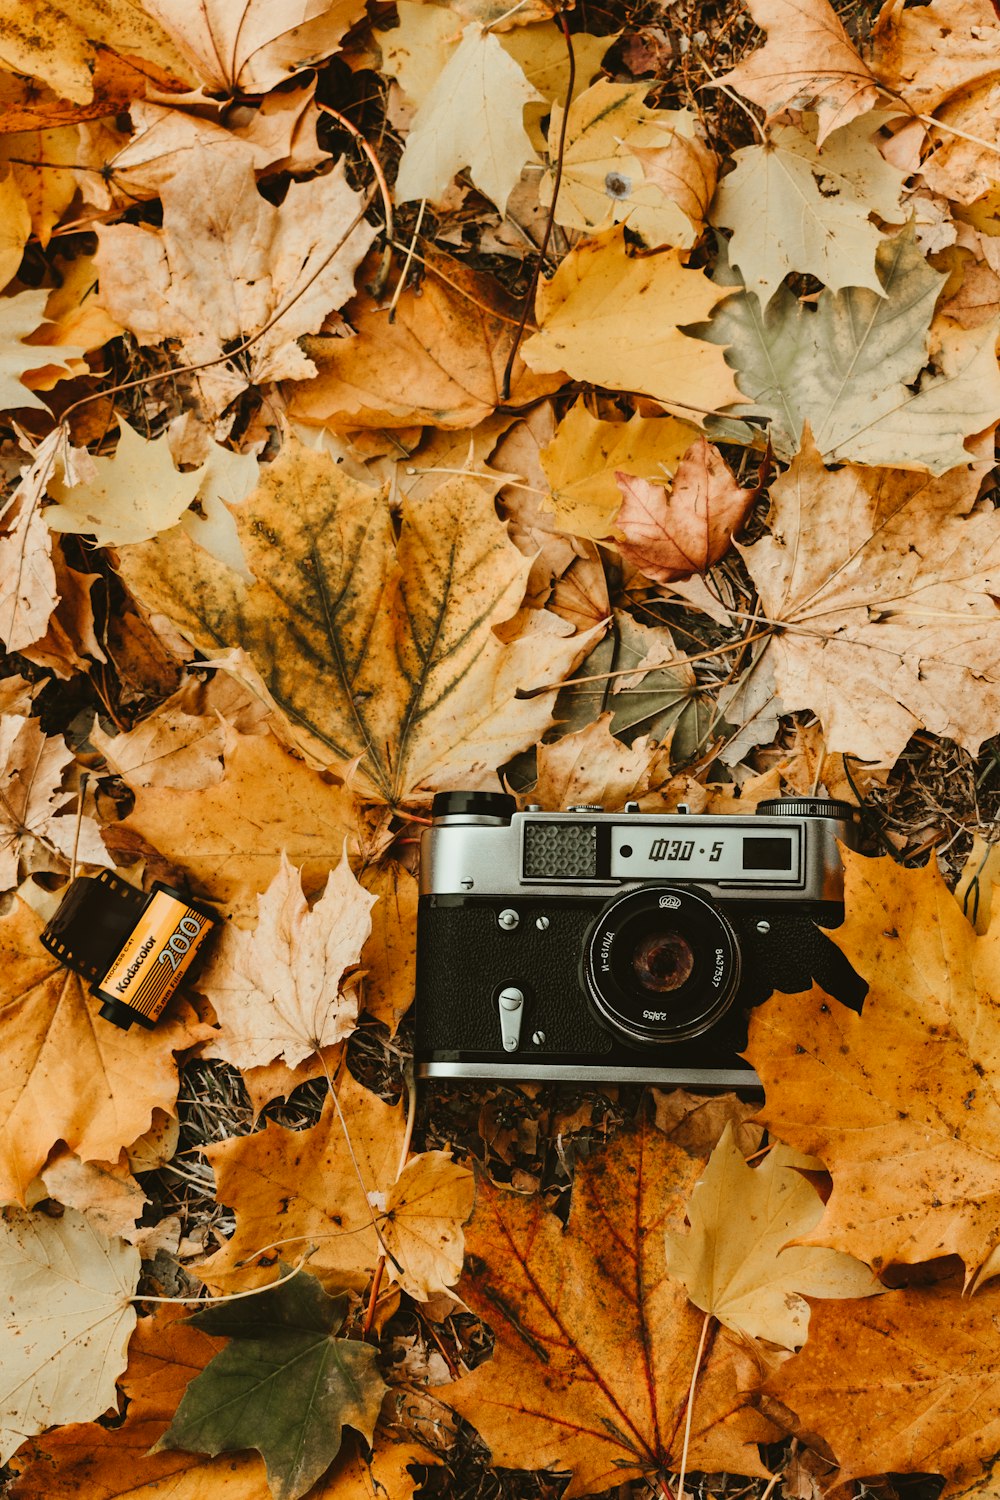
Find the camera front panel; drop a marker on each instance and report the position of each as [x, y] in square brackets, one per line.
[474, 951]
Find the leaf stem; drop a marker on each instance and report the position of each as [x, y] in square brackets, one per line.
[690, 1406]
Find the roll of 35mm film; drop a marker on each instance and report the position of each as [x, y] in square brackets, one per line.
[135, 947]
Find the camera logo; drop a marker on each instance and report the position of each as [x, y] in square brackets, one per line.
[670, 901]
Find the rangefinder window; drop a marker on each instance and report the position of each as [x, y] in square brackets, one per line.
[767, 854]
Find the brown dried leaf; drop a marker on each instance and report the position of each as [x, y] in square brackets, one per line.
[670, 534]
[595, 1343]
[38, 818]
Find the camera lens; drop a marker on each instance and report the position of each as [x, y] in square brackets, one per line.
[662, 961]
[660, 964]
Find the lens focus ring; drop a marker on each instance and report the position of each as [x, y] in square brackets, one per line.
[660, 964]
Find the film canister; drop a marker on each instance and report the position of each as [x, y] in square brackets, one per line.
[134, 947]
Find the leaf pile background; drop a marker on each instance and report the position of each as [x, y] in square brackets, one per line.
[599, 404]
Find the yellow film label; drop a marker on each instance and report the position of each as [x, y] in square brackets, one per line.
[156, 954]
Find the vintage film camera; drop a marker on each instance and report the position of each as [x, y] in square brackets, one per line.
[619, 947]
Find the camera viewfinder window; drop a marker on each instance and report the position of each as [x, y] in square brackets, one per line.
[767, 854]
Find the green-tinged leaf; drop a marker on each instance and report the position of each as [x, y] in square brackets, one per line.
[284, 1385]
[375, 651]
[875, 381]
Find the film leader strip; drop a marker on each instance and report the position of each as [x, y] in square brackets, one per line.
[136, 948]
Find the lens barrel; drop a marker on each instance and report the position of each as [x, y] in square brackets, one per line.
[660, 964]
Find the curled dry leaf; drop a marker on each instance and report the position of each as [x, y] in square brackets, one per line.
[300, 1188]
[404, 683]
[807, 62]
[69, 1076]
[28, 588]
[899, 1102]
[227, 261]
[593, 766]
[66, 1321]
[20, 316]
[670, 534]
[39, 822]
[905, 1382]
[276, 990]
[105, 1192]
[887, 621]
[737, 1261]
[615, 319]
[595, 1342]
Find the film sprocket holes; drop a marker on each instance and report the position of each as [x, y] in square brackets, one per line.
[136, 947]
[621, 947]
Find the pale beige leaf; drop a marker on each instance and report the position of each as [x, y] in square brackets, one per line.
[227, 479]
[66, 1320]
[20, 316]
[417, 51]
[28, 588]
[276, 990]
[472, 118]
[736, 1261]
[615, 319]
[793, 207]
[807, 62]
[253, 45]
[671, 534]
[63, 43]
[34, 808]
[593, 766]
[132, 496]
[888, 620]
[15, 227]
[227, 261]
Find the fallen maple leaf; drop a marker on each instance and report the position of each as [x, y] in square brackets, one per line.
[229, 267]
[404, 679]
[105, 1463]
[441, 361]
[20, 316]
[301, 1188]
[28, 590]
[253, 45]
[283, 1385]
[585, 454]
[15, 227]
[130, 497]
[807, 62]
[595, 1343]
[276, 989]
[907, 1382]
[671, 534]
[886, 621]
[614, 319]
[471, 117]
[604, 179]
[592, 766]
[793, 207]
[63, 43]
[899, 1102]
[736, 1261]
[105, 1192]
[389, 957]
[877, 381]
[66, 1321]
[68, 1075]
[35, 810]
[229, 835]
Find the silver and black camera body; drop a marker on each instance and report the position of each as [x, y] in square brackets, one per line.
[625, 947]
